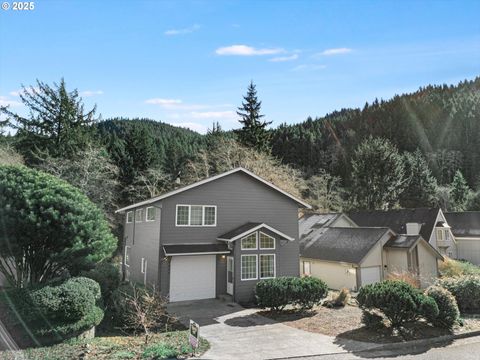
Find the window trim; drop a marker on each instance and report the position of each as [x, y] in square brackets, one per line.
[138, 219]
[256, 267]
[190, 213]
[442, 234]
[256, 242]
[274, 267]
[260, 241]
[133, 216]
[154, 214]
[142, 265]
[127, 247]
[309, 268]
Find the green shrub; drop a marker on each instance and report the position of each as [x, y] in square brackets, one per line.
[90, 284]
[108, 276]
[428, 308]
[308, 291]
[447, 306]
[398, 301]
[119, 308]
[466, 290]
[160, 351]
[274, 293]
[372, 320]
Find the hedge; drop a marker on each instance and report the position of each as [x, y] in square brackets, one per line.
[465, 289]
[447, 306]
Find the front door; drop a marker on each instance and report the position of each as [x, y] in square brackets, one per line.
[230, 275]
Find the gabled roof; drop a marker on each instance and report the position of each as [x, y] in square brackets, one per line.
[310, 221]
[249, 228]
[403, 241]
[213, 178]
[398, 219]
[348, 245]
[464, 224]
[195, 249]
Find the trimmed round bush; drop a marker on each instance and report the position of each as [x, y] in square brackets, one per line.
[447, 306]
[275, 293]
[466, 290]
[309, 291]
[397, 300]
[89, 284]
[76, 301]
[108, 276]
[428, 308]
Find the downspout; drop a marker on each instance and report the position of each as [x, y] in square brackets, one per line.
[159, 246]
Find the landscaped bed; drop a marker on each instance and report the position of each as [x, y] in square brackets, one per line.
[165, 345]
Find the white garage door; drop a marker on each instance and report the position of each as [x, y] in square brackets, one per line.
[370, 275]
[192, 277]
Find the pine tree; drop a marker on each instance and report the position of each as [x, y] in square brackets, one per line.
[254, 132]
[459, 192]
[422, 186]
[378, 175]
[57, 123]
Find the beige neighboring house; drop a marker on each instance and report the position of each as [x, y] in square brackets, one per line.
[466, 229]
[335, 249]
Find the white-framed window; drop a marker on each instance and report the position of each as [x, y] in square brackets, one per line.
[249, 242]
[307, 268]
[196, 215]
[138, 215]
[126, 257]
[129, 217]
[151, 212]
[440, 234]
[143, 266]
[267, 266]
[266, 242]
[249, 267]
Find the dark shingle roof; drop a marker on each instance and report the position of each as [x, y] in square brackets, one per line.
[402, 241]
[349, 245]
[309, 221]
[397, 219]
[195, 249]
[465, 224]
[239, 230]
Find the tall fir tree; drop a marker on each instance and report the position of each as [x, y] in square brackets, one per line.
[57, 122]
[459, 192]
[254, 133]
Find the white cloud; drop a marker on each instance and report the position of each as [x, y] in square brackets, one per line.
[284, 58]
[335, 51]
[244, 50]
[164, 102]
[307, 67]
[202, 129]
[213, 115]
[88, 93]
[183, 31]
[5, 101]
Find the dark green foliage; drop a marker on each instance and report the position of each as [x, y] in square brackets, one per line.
[378, 174]
[57, 123]
[119, 306]
[277, 293]
[308, 291]
[397, 300]
[372, 320]
[447, 305]
[421, 186]
[474, 202]
[160, 351]
[254, 131]
[459, 192]
[466, 290]
[48, 227]
[108, 276]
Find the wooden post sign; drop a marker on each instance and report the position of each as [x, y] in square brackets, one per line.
[194, 335]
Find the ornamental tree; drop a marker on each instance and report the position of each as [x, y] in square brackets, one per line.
[47, 227]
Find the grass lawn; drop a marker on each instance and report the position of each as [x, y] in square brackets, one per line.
[160, 346]
[346, 323]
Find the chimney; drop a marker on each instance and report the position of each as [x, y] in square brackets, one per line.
[413, 228]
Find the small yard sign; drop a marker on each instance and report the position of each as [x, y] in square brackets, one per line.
[194, 334]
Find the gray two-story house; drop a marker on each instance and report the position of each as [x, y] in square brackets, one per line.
[217, 236]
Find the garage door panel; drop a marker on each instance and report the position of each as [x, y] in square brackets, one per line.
[370, 275]
[192, 277]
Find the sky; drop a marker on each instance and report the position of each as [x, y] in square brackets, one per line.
[188, 63]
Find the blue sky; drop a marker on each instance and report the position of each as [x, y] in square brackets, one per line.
[189, 62]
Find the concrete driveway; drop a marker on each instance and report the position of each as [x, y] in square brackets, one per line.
[238, 333]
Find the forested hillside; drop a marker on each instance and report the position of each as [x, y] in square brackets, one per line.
[442, 121]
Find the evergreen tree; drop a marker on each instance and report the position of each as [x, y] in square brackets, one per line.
[378, 175]
[254, 132]
[57, 122]
[459, 192]
[421, 186]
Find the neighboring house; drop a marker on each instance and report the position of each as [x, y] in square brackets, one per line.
[466, 229]
[217, 236]
[336, 250]
[430, 223]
